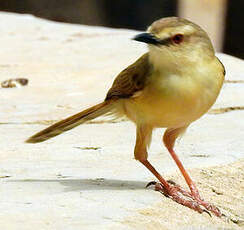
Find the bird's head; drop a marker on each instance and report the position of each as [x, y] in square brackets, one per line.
[176, 40]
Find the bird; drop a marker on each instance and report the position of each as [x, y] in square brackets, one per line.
[170, 86]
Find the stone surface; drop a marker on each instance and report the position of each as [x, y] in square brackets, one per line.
[87, 178]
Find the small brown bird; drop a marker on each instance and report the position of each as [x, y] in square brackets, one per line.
[171, 86]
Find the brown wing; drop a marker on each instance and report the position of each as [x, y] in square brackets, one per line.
[131, 79]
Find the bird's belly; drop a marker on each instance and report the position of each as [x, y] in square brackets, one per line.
[161, 113]
[165, 108]
[169, 113]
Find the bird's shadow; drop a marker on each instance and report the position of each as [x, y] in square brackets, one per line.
[89, 184]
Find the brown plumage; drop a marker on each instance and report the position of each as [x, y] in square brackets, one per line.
[126, 84]
[71, 122]
[131, 79]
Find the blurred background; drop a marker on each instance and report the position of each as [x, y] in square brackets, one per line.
[223, 19]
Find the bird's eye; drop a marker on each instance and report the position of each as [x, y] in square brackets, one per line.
[178, 38]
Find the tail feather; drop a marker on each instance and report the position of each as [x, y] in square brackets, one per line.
[72, 121]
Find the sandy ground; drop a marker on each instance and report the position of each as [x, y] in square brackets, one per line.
[222, 185]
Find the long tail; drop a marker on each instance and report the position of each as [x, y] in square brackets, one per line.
[72, 121]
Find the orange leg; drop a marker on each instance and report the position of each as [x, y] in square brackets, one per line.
[169, 140]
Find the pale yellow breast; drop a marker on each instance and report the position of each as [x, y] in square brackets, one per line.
[171, 100]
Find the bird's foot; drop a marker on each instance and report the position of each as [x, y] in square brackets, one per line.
[188, 199]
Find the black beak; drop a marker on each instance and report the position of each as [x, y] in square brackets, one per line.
[147, 38]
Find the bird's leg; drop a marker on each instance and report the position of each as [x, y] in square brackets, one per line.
[169, 140]
[173, 191]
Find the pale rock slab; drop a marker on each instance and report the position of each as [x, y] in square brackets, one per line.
[62, 184]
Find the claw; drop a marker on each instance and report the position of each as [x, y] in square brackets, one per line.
[204, 210]
[151, 183]
[171, 182]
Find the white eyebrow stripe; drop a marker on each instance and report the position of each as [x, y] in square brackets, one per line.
[187, 29]
[168, 32]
